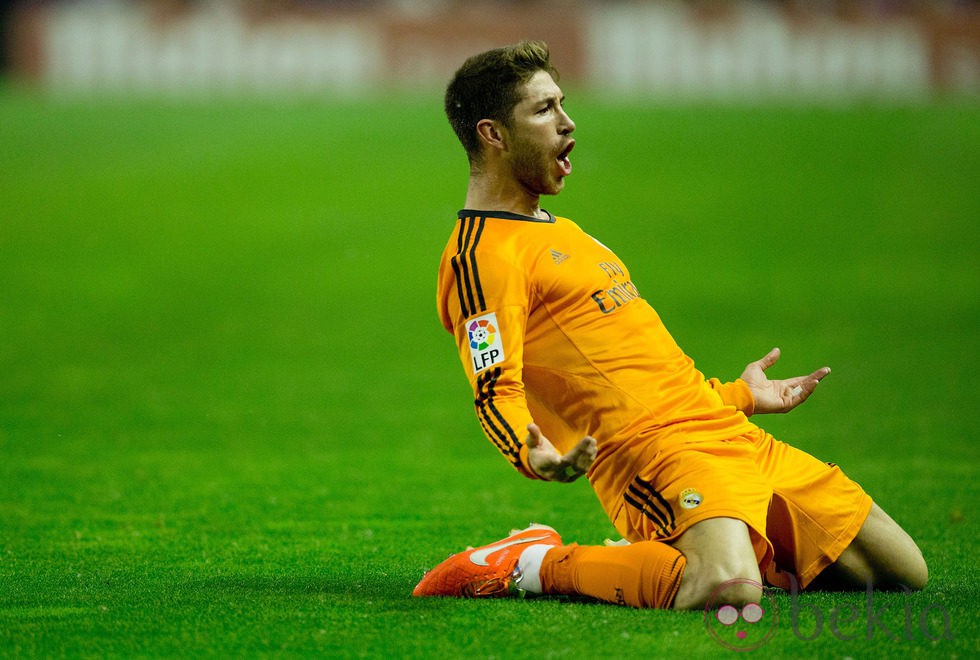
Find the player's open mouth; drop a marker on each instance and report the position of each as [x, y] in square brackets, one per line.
[563, 161]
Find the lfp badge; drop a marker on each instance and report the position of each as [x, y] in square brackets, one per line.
[486, 349]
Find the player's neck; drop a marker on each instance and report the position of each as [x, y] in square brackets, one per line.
[487, 193]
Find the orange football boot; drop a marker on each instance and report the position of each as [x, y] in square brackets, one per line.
[487, 571]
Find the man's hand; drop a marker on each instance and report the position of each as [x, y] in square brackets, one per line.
[548, 464]
[779, 396]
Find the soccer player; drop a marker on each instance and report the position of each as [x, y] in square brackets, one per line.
[575, 374]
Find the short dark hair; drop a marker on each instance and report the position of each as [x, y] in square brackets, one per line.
[488, 86]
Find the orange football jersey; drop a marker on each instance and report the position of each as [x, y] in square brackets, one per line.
[550, 328]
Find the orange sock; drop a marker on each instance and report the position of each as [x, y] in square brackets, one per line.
[644, 574]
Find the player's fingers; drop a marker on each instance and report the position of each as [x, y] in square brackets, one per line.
[533, 436]
[585, 447]
[820, 374]
[802, 388]
[584, 453]
[768, 359]
[592, 449]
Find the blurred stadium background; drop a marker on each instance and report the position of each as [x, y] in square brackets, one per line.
[802, 50]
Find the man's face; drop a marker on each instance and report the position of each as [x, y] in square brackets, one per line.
[540, 139]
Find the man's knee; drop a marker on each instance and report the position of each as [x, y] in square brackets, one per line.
[907, 570]
[719, 584]
[882, 555]
[917, 572]
[721, 565]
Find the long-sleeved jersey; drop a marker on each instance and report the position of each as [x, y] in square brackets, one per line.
[550, 328]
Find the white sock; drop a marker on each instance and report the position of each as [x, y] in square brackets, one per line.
[530, 564]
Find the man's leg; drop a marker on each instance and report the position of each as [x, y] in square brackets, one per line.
[718, 550]
[882, 555]
[645, 574]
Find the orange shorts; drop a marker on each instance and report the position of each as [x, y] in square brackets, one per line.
[801, 512]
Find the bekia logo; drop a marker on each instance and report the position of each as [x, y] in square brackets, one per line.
[486, 349]
[748, 627]
[744, 628]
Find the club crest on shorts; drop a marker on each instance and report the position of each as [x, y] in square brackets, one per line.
[690, 498]
[486, 347]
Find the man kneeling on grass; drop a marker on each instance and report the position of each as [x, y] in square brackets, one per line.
[575, 374]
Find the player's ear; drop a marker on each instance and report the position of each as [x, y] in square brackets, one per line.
[491, 133]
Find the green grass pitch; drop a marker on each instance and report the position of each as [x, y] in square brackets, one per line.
[231, 425]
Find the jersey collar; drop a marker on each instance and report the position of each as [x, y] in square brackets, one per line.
[504, 215]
